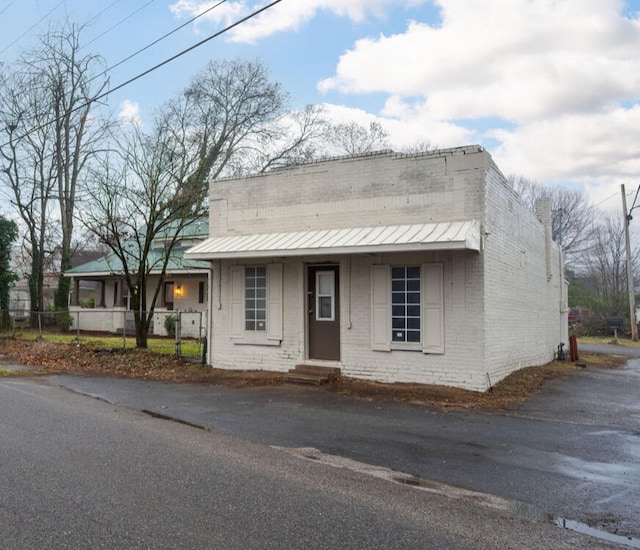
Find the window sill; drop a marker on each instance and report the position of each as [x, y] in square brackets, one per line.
[252, 339]
[399, 346]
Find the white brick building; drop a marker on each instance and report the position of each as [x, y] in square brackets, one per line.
[398, 268]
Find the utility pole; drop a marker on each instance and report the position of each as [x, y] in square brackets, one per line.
[632, 292]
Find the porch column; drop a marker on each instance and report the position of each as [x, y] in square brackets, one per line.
[75, 295]
[103, 284]
[119, 290]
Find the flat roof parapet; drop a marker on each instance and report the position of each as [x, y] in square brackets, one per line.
[389, 153]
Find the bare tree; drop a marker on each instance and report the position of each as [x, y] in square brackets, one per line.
[136, 200]
[292, 139]
[353, 138]
[49, 138]
[606, 266]
[573, 217]
[69, 80]
[27, 172]
[420, 146]
[229, 119]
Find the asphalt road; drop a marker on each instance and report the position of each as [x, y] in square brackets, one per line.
[82, 473]
[611, 349]
[572, 451]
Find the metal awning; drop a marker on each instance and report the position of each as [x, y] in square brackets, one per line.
[463, 235]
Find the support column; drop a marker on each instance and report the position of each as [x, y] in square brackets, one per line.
[75, 296]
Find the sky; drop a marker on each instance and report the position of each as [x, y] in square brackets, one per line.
[551, 88]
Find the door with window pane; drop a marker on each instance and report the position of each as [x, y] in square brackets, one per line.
[323, 308]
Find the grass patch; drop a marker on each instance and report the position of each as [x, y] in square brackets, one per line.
[607, 340]
[165, 346]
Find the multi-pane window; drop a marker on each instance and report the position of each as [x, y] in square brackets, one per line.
[405, 304]
[255, 298]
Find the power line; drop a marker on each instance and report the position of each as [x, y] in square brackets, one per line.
[119, 22]
[95, 17]
[8, 6]
[605, 200]
[148, 71]
[183, 52]
[34, 25]
[89, 22]
[157, 40]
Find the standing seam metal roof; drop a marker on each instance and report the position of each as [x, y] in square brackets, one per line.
[392, 238]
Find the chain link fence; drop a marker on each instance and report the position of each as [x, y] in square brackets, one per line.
[182, 333]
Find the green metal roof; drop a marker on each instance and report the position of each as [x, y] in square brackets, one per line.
[110, 264]
[195, 229]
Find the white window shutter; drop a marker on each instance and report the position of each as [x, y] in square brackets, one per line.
[237, 301]
[433, 309]
[380, 308]
[274, 308]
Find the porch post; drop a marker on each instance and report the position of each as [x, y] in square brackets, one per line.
[75, 296]
[119, 294]
[103, 284]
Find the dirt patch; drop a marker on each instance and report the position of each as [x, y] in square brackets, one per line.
[57, 358]
[513, 389]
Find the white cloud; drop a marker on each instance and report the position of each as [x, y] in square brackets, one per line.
[552, 86]
[607, 197]
[515, 59]
[285, 16]
[406, 127]
[559, 80]
[411, 123]
[221, 14]
[586, 148]
[129, 113]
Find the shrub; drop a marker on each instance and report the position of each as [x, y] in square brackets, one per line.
[90, 303]
[592, 326]
[170, 325]
[63, 320]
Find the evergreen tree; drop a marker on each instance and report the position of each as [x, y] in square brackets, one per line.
[8, 234]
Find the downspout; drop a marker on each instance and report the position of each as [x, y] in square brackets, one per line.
[210, 300]
[564, 298]
[349, 290]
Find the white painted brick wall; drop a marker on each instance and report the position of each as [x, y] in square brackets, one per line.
[459, 366]
[501, 312]
[362, 191]
[523, 316]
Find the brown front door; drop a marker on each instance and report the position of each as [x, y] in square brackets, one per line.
[323, 306]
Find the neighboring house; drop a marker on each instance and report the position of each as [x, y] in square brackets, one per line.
[100, 298]
[419, 268]
[20, 298]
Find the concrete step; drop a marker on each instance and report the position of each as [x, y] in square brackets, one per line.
[316, 370]
[293, 378]
[311, 374]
